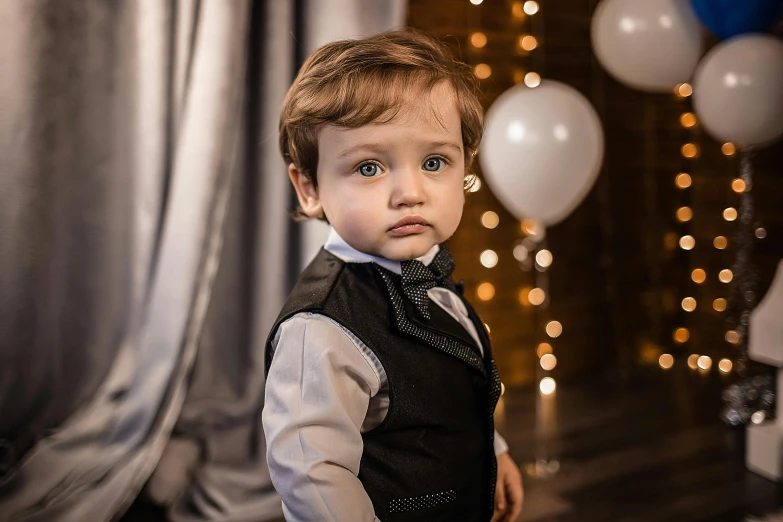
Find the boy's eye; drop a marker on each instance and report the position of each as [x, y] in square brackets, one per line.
[433, 164]
[368, 170]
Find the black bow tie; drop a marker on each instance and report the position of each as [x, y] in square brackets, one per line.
[418, 278]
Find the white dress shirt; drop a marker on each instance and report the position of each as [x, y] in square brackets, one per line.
[322, 392]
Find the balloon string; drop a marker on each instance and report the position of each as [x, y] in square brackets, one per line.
[744, 271]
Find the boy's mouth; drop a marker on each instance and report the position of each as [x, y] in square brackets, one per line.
[409, 225]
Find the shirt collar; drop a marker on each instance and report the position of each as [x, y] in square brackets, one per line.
[337, 246]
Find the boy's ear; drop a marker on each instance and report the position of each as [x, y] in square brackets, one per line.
[306, 192]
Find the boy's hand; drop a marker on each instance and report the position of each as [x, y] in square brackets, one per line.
[509, 493]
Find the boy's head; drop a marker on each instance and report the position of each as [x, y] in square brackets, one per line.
[379, 134]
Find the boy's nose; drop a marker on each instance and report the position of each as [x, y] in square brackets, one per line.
[408, 189]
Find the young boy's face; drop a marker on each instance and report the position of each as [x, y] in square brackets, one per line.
[393, 189]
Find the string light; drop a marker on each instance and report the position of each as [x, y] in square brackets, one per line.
[547, 386]
[548, 362]
[666, 361]
[704, 362]
[730, 214]
[476, 2]
[544, 258]
[699, 276]
[554, 329]
[485, 291]
[732, 336]
[689, 304]
[683, 90]
[482, 71]
[531, 7]
[728, 149]
[720, 242]
[687, 242]
[683, 180]
[719, 305]
[490, 219]
[725, 276]
[489, 258]
[478, 40]
[738, 186]
[690, 150]
[693, 361]
[681, 335]
[688, 120]
[532, 79]
[528, 42]
[761, 233]
[536, 296]
[684, 214]
[543, 349]
[725, 366]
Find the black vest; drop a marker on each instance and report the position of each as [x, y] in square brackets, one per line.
[432, 457]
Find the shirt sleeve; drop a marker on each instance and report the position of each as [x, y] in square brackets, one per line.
[501, 446]
[317, 392]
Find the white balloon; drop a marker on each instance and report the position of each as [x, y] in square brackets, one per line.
[542, 150]
[650, 45]
[738, 90]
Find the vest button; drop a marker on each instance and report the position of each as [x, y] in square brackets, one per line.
[7, 456]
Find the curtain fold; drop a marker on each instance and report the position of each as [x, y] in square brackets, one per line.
[116, 201]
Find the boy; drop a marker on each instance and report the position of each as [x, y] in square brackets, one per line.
[381, 384]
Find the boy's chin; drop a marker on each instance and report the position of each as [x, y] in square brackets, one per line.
[409, 248]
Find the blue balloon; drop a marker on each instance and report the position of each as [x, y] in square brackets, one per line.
[726, 18]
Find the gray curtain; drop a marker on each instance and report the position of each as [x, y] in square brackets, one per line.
[145, 247]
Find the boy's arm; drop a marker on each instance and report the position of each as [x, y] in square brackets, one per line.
[317, 392]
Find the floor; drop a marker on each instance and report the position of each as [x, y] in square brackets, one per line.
[647, 448]
[644, 448]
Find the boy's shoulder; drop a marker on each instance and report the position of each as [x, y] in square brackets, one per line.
[326, 274]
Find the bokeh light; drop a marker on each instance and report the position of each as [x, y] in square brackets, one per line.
[683, 180]
[681, 335]
[548, 362]
[489, 258]
[547, 386]
[482, 71]
[730, 214]
[485, 291]
[687, 242]
[532, 79]
[554, 329]
[699, 276]
[684, 214]
[490, 219]
[544, 258]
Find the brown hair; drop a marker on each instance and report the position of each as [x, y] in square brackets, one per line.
[356, 82]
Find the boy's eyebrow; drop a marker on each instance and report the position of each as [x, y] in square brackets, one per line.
[381, 147]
